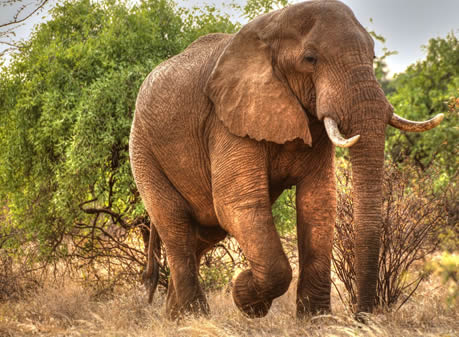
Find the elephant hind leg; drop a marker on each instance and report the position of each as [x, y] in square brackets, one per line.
[208, 237]
[185, 294]
[172, 218]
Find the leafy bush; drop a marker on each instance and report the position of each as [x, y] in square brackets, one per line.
[66, 104]
[220, 264]
[284, 211]
[421, 92]
[446, 267]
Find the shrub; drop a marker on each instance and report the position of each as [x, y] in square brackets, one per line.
[412, 216]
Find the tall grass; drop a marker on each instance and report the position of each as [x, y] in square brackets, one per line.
[73, 310]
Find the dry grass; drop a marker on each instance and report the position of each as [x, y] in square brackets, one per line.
[73, 311]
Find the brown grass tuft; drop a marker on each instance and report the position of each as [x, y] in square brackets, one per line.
[72, 310]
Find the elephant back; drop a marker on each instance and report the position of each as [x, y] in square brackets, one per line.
[172, 94]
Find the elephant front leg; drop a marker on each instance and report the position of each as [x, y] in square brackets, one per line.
[243, 207]
[316, 213]
[270, 273]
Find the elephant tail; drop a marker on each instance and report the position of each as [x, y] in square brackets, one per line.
[150, 276]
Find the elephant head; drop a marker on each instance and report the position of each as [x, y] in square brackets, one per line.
[314, 60]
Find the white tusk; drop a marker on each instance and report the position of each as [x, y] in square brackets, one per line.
[410, 126]
[335, 136]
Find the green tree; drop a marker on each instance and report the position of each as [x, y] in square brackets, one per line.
[66, 104]
[380, 65]
[421, 92]
[253, 8]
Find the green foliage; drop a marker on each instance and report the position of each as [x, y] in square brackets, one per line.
[206, 20]
[284, 211]
[423, 91]
[380, 65]
[445, 267]
[220, 264]
[253, 8]
[66, 105]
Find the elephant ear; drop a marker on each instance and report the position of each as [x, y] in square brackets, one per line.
[249, 98]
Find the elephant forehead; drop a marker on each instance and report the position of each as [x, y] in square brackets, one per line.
[326, 24]
[333, 11]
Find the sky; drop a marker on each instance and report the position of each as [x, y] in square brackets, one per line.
[406, 24]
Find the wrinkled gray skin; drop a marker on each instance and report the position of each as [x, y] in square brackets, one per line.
[223, 128]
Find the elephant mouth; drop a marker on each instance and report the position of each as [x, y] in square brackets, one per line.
[313, 102]
[309, 105]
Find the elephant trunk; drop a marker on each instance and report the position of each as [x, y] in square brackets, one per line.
[362, 119]
[367, 158]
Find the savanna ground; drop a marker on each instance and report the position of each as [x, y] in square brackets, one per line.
[73, 310]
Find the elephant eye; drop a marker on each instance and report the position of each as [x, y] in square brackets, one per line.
[310, 59]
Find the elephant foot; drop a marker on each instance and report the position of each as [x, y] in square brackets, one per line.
[176, 310]
[362, 317]
[246, 297]
[195, 308]
[305, 308]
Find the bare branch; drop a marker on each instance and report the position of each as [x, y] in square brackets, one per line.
[16, 18]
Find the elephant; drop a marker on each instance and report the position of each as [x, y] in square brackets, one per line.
[221, 129]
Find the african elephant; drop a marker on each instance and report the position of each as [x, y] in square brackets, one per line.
[221, 129]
